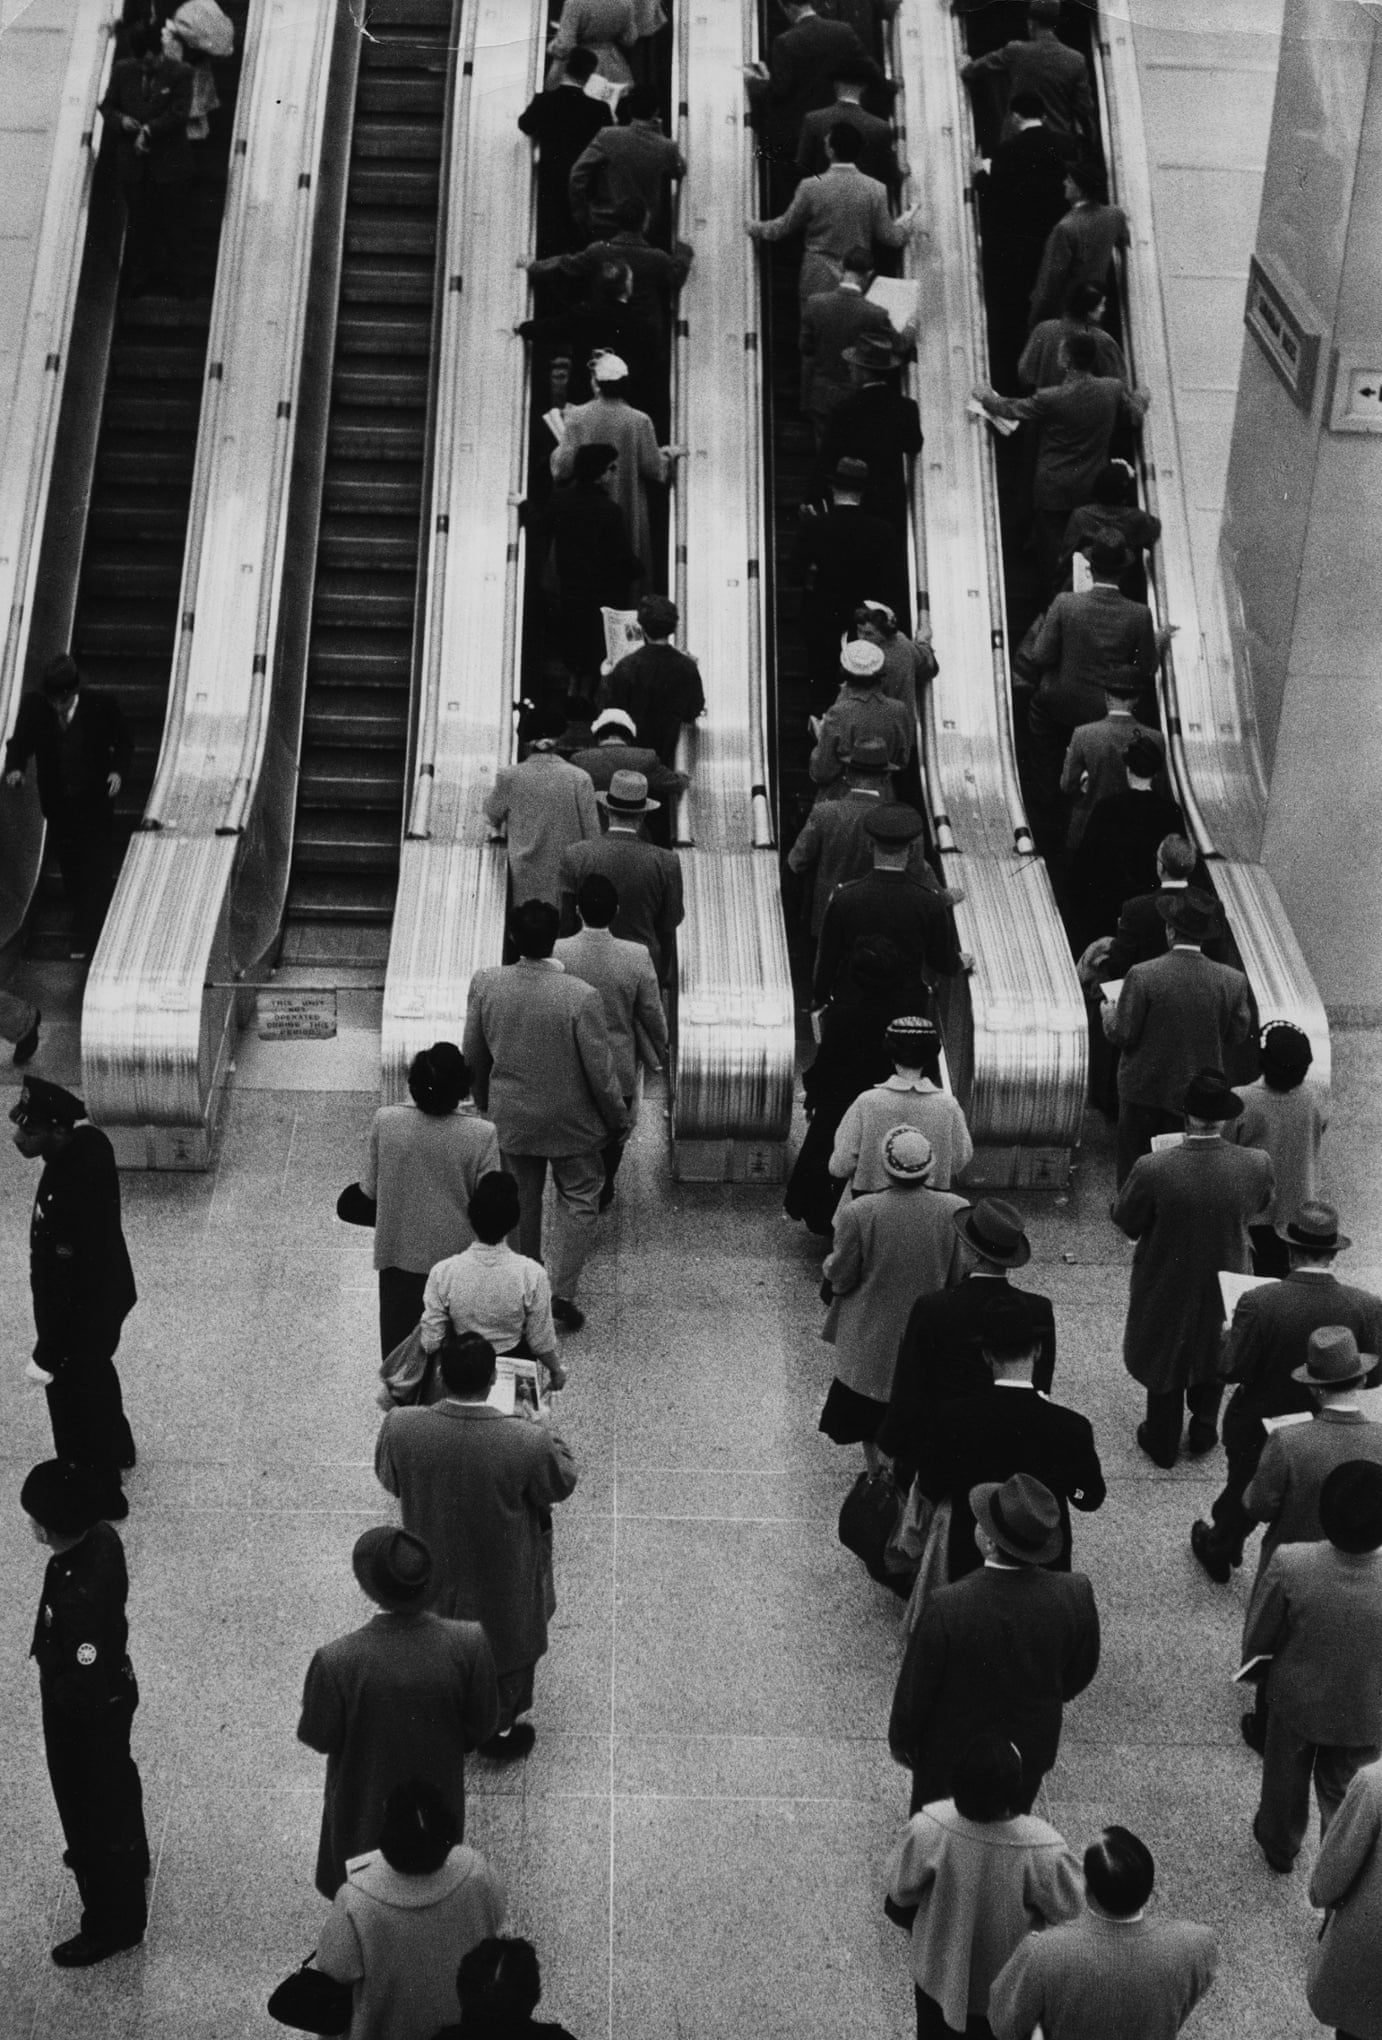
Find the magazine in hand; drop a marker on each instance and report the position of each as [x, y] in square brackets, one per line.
[515, 1381]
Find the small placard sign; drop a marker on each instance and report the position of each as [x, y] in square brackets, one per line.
[295, 1015]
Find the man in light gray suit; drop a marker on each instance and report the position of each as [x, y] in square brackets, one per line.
[538, 1046]
[622, 973]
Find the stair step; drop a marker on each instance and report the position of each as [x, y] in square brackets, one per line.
[162, 360]
[385, 331]
[115, 633]
[387, 544]
[115, 574]
[385, 230]
[385, 279]
[358, 839]
[406, 46]
[364, 897]
[376, 183]
[128, 513]
[366, 600]
[361, 434]
[163, 317]
[163, 463]
[346, 658]
[414, 141]
[382, 92]
[353, 777]
[363, 380]
[151, 411]
[393, 490]
[351, 718]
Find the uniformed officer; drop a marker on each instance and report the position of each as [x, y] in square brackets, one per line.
[83, 1285]
[89, 1697]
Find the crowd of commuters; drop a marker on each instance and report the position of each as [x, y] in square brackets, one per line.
[945, 1369]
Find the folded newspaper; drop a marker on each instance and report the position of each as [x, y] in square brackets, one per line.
[622, 634]
[515, 1381]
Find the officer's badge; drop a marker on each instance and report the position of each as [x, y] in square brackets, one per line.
[86, 1653]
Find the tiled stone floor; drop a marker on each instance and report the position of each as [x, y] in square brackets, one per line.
[696, 1845]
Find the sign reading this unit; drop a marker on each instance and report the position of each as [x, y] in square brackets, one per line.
[1357, 389]
[1284, 328]
[294, 1015]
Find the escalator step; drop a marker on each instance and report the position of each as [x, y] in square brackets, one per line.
[406, 46]
[365, 897]
[120, 574]
[127, 513]
[118, 634]
[360, 382]
[388, 232]
[379, 92]
[162, 359]
[416, 141]
[152, 464]
[161, 316]
[351, 717]
[150, 411]
[367, 539]
[365, 435]
[393, 184]
[352, 658]
[334, 776]
[384, 279]
[385, 331]
[411, 14]
[365, 600]
[356, 839]
[392, 489]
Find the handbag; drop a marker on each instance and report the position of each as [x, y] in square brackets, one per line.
[355, 1208]
[908, 1540]
[312, 2001]
[868, 1518]
[406, 1373]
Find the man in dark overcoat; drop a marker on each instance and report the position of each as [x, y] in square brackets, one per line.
[82, 1282]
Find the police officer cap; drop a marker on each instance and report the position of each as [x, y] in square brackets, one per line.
[62, 1498]
[393, 1566]
[49, 1105]
[893, 824]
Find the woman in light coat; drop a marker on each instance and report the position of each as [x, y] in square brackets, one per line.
[1344, 1983]
[977, 1877]
[890, 1248]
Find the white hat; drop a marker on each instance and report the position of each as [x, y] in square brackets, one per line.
[907, 1154]
[614, 718]
[609, 368]
[861, 659]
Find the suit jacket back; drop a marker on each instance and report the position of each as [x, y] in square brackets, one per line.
[1318, 1614]
[622, 973]
[102, 747]
[992, 1436]
[538, 1044]
[1177, 1014]
[941, 1356]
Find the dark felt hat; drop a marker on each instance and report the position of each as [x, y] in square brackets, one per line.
[1021, 1516]
[893, 822]
[46, 1104]
[1351, 1506]
[1192, 913]
[1208, 1096]
[994, 1229]
[870, 756]
[1332, 1359]
[63, 1498]
[393, 1566]
[872, 350]
[1316, 1228]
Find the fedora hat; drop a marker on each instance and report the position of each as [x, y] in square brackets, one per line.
[1351, 1505]
[1192, 913]
[871, 350]
[907, 1154]
[1021, 1516]
[1332, 1359]
[393, 1566]
[893, 823]
[994, 1229]
[1208, 1096]
[628, 795]
[870, 756]
[1316, 1228]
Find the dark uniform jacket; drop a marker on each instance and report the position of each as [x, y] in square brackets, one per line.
[890, 903]
[81, 1634]
[999, 1650]
[73, 760]
[159, 97]
[879, 425]
[941, 1357]
[994, 1435]
[79, 1265]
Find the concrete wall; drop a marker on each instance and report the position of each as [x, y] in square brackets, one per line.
[1302, 534]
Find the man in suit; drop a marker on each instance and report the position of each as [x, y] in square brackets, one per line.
[877, 155]
[839, 210]
[878, 425]
[148, 105]
[1021, 199]
[634, 160]
[478, 1488]
[1188, 1208]
[538, 1047]
[860, 712]
[1047, 68]
[941, 1353]
[545, 804]
[658, 685]
[1268, 1343]
[1094, 767]
[1116, 855]
[834, 847]
[563, 121]
[622, 973]
[646, 877]
[1010, 1429]
[408, 1695]
[1112, 1970]
[81, 753]
[1318, 1617]
[1176, 1015]
[82, 1284]
[1140, 936]
[616, 749]
[802, 61]
[889, 902]
[1002, 1649]
[844, 555]
[832, 321]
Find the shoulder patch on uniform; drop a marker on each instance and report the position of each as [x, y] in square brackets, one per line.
[86, 1653]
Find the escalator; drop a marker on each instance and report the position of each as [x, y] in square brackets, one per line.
[125, 624]
[344, 871]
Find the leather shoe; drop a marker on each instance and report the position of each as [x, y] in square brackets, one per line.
[568, 1315]
[1215, 1561]
[1201, 1437]
[1283, 1865]
[507, 1749]
[27, 1045]
[1254, 1732]
[1144, 1440]
[84, 1949]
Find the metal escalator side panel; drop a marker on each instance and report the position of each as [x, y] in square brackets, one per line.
[169, 931]
[735, 1014]
[449, 911]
